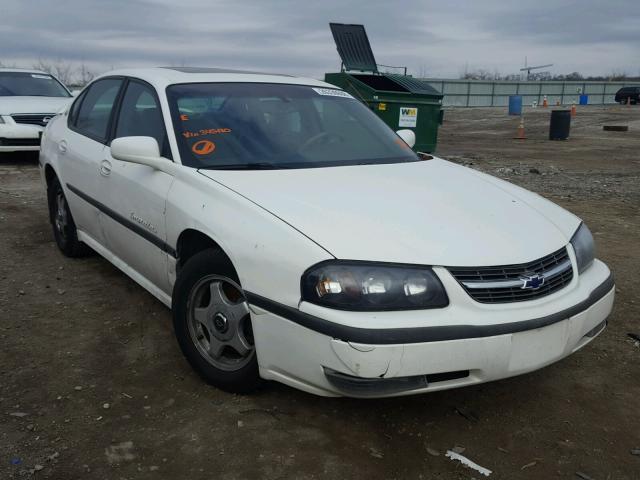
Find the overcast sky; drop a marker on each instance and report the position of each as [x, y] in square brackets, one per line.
[433, 38]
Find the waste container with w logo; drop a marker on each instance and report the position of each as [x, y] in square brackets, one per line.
[401, 101]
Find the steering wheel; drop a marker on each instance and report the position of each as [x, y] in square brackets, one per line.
[316, 138]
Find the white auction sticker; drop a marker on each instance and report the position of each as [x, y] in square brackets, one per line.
[332, 92]
[45, 77]
[408, 117]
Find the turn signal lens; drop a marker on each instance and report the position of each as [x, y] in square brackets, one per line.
[326, 285]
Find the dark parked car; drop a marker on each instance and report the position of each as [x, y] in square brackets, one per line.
[625, 93]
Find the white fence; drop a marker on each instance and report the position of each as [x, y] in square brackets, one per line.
[478, 93]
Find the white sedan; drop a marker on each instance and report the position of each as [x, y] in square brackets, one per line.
[297, 238]
[29, 99]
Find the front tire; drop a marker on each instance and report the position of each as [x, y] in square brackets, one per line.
[212, 323]
[64, 228]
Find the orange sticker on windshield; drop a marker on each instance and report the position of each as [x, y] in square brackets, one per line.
[184, 117]
[203, 147]
[206, 131]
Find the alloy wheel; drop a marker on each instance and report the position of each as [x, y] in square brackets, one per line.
[220, 323]
[61, 216]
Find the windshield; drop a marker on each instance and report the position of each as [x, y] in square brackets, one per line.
[259, 125]
[30, 84]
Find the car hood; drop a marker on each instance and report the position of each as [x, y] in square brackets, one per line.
[429, 212]
[13, 105]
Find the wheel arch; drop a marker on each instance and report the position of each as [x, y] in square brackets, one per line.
[192, 241]
[49, 174]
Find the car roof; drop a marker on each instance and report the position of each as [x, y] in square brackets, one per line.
[22, 70]
[162, 77]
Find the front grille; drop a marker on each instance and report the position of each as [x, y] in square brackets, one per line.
[19, 142]
[505, 284]
[33, 118]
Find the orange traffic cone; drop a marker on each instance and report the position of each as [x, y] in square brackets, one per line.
[520, 135]
[573, 110]
[545, 104]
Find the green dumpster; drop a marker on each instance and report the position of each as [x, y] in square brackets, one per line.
[401, 101]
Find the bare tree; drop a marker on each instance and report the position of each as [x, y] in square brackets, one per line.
[540, 76]
[569, 77]
[61, 69]
[512, 77]
[481, 74]
[618, 75]
[84, 75]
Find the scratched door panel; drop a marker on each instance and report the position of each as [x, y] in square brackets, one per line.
[134, 195]
[134, 226]
[79, 174]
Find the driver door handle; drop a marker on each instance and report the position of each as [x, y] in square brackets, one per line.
[105, 168]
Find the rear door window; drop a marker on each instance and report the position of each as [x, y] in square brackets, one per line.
[96, 107]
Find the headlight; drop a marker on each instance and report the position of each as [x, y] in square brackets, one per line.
[346, 285]
[583, 245]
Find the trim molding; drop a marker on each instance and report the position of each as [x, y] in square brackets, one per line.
[386, 336]
[135, 228]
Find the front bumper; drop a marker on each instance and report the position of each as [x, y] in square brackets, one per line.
[334, 364]
[15, 137]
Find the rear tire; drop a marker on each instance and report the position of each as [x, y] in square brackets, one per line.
[64, 228]
[212, 323]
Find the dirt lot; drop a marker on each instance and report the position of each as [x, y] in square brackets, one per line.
[92, 384]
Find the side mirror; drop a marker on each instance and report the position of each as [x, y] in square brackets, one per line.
[140, 150]
[407, 136]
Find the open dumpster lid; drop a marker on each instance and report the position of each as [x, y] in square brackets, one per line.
[415, 85]
[353, 47]
[389, 82]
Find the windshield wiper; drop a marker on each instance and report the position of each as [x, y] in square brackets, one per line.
[245, 166]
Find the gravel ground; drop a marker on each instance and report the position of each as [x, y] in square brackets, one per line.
[92, 384]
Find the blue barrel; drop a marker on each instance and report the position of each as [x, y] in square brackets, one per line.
[584, 99]
[515, 104]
